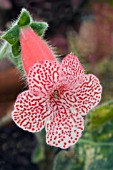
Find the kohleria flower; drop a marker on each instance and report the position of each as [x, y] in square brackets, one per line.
[59, 95]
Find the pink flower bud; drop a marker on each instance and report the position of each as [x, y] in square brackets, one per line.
[34, 49]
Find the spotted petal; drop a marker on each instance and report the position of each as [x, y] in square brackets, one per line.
[88, 95]
[29, 112]
[64, 129]
[72, 70]
[42, 77]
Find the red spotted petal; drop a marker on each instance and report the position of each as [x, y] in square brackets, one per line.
[72, 70]
[29, 112]
[88, 95]
[43, 77]
[64, 129]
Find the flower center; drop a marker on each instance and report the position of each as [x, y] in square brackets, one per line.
[56, 94]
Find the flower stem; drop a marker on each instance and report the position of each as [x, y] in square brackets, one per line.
[4, 50]
[6, 119]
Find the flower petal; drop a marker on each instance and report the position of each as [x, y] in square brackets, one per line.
[42, 77]
[72, 70]
[64, 130]
[28, 112]
[88, 94]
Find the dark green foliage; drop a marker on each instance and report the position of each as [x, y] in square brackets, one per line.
[12, 35]
[24, 18]
[103, 150]
[100, 115]
[16, 49]
[39, 27]
[38, 154]
[67, 160]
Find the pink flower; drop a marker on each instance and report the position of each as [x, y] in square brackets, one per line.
[33, 48]
[58, 98]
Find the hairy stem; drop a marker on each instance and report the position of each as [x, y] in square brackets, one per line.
[4, 49]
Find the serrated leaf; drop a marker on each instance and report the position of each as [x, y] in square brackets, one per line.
[100, 115]
[12, 35]
[39, 27]
[16, 49]
[24, 18]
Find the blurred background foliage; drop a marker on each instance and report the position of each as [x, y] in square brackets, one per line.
[84, 27]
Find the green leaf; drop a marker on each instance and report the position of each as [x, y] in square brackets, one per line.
[39, 27]
[98, 139]
[12, 35]
[100, 115]
[16, 49]
[67, 160]
[38, 154]
[100, 148]
[24, 18]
